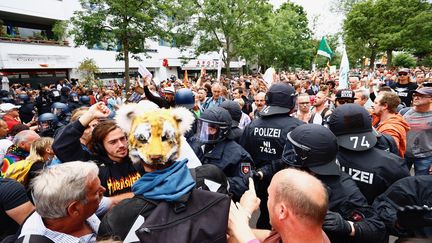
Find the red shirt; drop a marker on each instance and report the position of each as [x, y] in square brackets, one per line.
[10, 121]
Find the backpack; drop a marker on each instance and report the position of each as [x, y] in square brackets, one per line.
[201, 217]
[19, 171]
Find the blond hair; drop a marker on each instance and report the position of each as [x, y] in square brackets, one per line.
[38, 149]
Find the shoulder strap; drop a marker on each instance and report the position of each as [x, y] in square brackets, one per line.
[34, 239]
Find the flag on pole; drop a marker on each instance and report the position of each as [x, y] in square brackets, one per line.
[144, 71]
[220, 65]
[324, 49]
[186, 80]
[343, 71]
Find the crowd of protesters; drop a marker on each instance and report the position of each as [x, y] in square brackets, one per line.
[323, 159]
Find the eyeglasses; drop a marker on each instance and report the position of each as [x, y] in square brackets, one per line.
[304, 103]
[341, 101]
[403, 74]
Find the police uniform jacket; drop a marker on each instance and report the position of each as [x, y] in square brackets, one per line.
[413, 190]
[374, 170]
[346, 199]
[264, 138]
[117, 178]
[232, 159]
[26, 112]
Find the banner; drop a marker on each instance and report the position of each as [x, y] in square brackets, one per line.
[324, 49]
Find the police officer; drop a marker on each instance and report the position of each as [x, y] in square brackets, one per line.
[373, 169]
[406, 207]
[313, 148]
[235, 111]
[47, 124]
[64, 94]
[44, 101]
[84, 100]
[73, 101]
[264, 139]
[214, 132]
[26, 110]
[184, 97]
[62, 112]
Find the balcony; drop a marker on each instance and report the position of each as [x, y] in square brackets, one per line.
[31, 40]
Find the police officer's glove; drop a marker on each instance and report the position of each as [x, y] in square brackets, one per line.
[334, 223]
[257, 175]
[413, 216]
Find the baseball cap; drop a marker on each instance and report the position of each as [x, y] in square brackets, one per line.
[5, 107]
[352, 125]
[280, 99]
[403, 70]
[345, 94]
[318, 148]
[234, 109]
[169, 89]
[424, 91]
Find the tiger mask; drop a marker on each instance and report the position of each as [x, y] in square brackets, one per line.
[154, 134]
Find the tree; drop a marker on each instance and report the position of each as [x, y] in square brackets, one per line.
[405, 60]
[226, 23]
[125, 24]
[395, 16]
[89, 68]
[361, 32]
[343, 6]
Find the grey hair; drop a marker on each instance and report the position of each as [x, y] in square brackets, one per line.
[364, 93]
[23, 136]
[56, 187]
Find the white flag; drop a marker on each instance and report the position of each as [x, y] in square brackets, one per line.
[219, 70]
[269, 76]
[343, 71]
[144, 71]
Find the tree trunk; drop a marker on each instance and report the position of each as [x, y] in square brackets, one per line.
[126, 62]
[372, 59]
[389, 58]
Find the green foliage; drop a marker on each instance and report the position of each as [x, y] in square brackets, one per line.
[128, 23]
[59, 30]
[281, 40]
[89, 68]
[229, 24]
[384, 26]
[405, 60]
[343, 6]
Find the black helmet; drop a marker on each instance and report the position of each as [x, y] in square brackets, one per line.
[280, 99]
[73, 97]
[235, 111]
[22, 99]
[184, 97]
[85, 100]
[65, 90]
[54, 95]
[47, 122]
[214, 125]
[60, 109]
[314, 147]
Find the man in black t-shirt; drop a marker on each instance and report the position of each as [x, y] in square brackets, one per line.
[404, 86]
[14, 207]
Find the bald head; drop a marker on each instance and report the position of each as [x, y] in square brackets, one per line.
[304, 193]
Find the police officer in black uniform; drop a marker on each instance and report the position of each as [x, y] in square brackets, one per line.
[313, 148]
[264, 138]
[26, 110]
[214, 132]
[73, 101]
[44, 101]
[235, 111]
[373, 169]
[184, 97]
[406, 207]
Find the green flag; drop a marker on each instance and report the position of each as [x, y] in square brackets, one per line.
[324, 49]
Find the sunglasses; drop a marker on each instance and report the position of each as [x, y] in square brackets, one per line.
[345, 101]
[304, 103]
[421, 95]
[403, 74]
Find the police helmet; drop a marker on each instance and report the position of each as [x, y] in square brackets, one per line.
[280, 99]
[22, 99]
[214, 125]
[65, 90]
[54, 95]
[184, 97]
[85, 100]
[47, 122]
[313, 147]
[73, 97]
[59, 109]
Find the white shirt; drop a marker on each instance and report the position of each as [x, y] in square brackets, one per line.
[35, 226]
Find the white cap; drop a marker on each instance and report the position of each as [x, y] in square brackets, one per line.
[5, 107]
